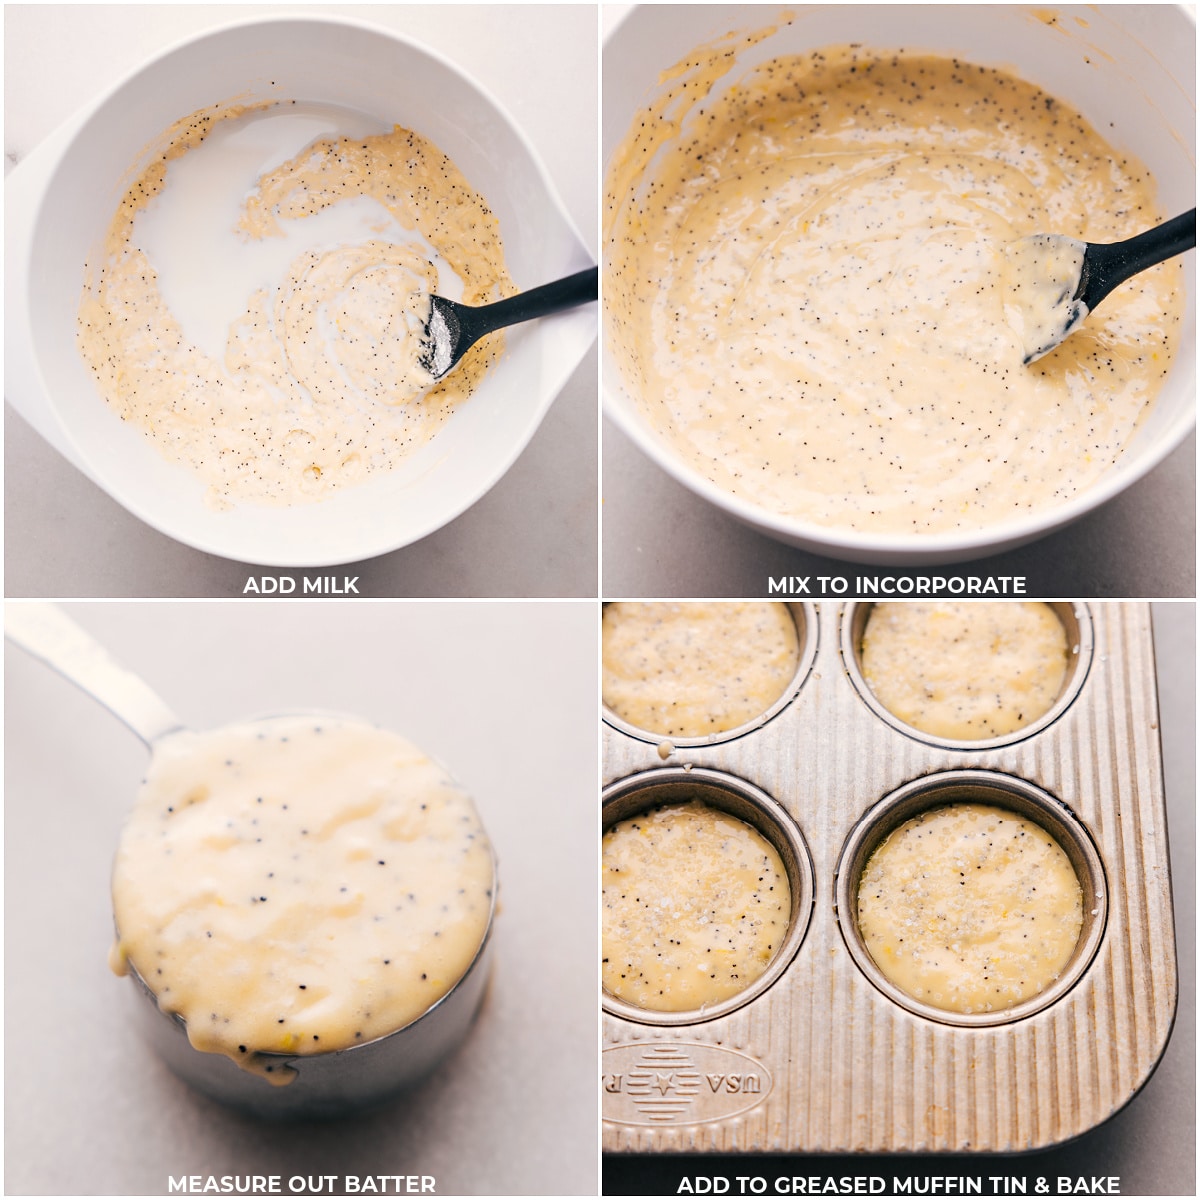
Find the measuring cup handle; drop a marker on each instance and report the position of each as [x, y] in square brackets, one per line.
[49, 634]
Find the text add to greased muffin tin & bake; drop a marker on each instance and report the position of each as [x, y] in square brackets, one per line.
[822, 1054]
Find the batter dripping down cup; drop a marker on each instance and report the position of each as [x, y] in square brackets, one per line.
[340, 1080]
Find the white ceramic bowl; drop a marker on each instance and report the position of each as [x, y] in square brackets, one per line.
[60, 200]
[1131, 69]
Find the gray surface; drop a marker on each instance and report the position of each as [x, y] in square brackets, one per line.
[88, 1109]
[661, 540]
[534, 534]
[505, 695]
[1151, 1144]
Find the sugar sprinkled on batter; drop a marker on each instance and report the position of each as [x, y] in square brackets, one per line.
[689, 670]
[970, 908]
[966, 670]
[695, 906]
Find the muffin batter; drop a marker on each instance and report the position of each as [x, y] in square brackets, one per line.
[312, 382]
[695, 905]
[805, 287]
[296, 886]
[690, 670]
[965, 671]
[1040, 276]
[970, 908]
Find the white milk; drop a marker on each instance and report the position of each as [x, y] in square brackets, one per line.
[208, 269]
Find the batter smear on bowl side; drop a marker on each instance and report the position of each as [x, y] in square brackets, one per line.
[805, 285]
[297, 886]
[257, 314]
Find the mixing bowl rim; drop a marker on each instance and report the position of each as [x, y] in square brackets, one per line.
[369, 539]
[620, 405]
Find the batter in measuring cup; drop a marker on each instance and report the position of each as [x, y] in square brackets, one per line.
[297, 886]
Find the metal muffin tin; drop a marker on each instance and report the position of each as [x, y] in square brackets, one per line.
[650, 789]
[826, 1056]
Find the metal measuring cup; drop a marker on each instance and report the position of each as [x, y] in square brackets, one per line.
[331, 1083]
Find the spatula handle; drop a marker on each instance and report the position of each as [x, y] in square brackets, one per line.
[1107, 266]
[554, 297]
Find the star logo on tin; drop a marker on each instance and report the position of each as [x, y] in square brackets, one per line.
[668, 1071]
[672, 1083]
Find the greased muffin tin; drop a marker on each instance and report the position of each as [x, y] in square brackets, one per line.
[822, 1054]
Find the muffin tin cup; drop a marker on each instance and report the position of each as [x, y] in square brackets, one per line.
[750, 804]
[805, 618]
[826, 1057]
[973, 787]
[1076, 621]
